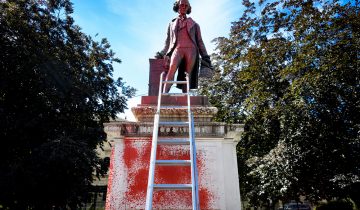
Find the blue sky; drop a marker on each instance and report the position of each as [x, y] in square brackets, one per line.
[136, 30]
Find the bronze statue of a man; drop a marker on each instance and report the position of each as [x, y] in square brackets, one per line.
[183, 45]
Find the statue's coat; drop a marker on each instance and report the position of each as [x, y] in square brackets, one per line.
[193, 30]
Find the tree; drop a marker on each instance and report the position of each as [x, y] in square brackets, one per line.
[290, 69]
[56, 91]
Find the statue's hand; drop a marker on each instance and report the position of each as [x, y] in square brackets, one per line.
[206, 61]
[159, 55]
[166, 62]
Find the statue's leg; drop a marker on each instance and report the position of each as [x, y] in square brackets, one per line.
[190, 58]
[174, 63]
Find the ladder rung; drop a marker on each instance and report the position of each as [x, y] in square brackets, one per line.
[174, 142]
[174, 82]
[173, 162]
[174, 94]
[173, 107]
[174, 123]
[172, 187]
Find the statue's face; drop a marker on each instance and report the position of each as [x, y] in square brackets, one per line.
[183, 7]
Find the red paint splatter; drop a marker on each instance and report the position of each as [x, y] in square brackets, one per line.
[110, 180]
[205, 198]
[136, 158]
[129, 153]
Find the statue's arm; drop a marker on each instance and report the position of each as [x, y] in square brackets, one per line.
[201, 45]
[167, 42]
[202, 50]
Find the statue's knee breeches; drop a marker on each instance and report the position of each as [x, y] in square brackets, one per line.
[180, 54]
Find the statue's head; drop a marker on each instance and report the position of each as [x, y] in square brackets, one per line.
[182, 3]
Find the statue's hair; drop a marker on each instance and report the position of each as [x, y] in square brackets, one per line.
[176, 8]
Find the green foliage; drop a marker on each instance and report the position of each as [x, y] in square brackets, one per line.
[56, 91]
[290, 71]
[344, 204]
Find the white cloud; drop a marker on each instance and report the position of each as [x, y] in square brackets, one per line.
[214, 18]
[128, 115]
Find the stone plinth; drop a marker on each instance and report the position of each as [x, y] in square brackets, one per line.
[216, 158]
[216, 161]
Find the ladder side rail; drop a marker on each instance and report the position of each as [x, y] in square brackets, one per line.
[161, 90]
[193, 145]
[188, 96]
[150, 187]
[194, 190]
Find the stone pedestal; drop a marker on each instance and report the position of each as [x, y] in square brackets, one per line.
[131, 146]
[216, 160]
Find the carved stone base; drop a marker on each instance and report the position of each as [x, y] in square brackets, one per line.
[200, 108]
[146, 113]
[215, 149]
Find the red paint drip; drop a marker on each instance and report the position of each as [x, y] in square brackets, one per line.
[129, 153]
[205, 196]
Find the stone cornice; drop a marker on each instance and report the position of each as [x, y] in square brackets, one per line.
[200, 113]
[202, 129]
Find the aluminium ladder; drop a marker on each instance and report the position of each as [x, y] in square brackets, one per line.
[193, 186]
